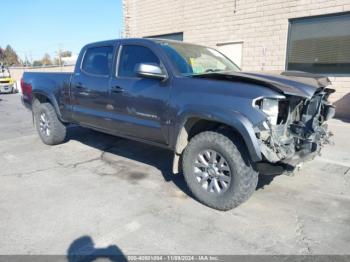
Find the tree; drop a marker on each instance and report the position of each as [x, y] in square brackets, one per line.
[26, 62]
[9, 57]
[2, 54]
[61, 54]
[56, 61]
[66, 53]
[37, 63]
[46, 60]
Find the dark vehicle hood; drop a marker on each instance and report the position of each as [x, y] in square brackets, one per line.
[287, 82]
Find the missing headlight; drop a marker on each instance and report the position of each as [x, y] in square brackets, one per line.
[283, 112]
[270, 108]
[277, 110]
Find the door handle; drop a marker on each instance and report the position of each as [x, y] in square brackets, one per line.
[84, 93]
[79, 85]
[117, 89]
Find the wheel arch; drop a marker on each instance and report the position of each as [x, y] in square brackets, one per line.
[44, 97]
[194, 123]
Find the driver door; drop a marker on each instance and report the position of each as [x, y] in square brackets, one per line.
[140, 104]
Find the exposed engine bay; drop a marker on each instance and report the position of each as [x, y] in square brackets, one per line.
[295, 129]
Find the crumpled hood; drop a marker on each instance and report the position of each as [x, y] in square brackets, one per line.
[306, 83]
[287, 82]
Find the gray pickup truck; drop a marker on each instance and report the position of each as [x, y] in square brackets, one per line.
[222, 124]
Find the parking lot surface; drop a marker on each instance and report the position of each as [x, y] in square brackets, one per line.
[121, 195]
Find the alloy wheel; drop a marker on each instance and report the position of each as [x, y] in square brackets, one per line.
[44, 124]
[212, 172]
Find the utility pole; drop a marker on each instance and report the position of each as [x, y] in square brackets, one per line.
[31, 58]
[25, 63]
[59, 54]
[26, 60]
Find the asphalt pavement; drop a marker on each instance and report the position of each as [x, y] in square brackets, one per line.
[117, 195]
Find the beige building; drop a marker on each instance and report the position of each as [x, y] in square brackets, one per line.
[307, 35]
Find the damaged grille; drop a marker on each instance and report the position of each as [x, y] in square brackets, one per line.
[300, 127]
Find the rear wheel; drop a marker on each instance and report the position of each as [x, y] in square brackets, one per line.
[218, 170]
[50, 129]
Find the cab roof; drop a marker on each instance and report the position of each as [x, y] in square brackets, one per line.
[126, 40]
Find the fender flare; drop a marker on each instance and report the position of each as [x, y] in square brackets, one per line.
[234, 119]
[50, 97]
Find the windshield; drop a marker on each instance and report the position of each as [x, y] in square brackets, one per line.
[194, 60]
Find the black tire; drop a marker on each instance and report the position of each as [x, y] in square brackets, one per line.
[57, 130]
[244, 178]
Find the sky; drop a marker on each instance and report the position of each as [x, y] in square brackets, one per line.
[36, 27]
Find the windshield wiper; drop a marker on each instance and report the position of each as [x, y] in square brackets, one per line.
[213, 71]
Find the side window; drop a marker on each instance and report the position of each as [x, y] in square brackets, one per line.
[132, 55]
[98, 60]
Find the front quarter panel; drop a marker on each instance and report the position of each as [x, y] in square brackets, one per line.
[227, 103]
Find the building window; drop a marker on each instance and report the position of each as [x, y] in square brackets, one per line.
[174, 36]
[320, 44]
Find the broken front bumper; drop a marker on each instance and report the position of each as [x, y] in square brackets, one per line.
[300, 133]
[293, 162]
[293, 153]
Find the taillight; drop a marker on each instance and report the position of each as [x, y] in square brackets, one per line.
[26, 89]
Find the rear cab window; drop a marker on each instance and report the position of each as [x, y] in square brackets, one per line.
[98, 60]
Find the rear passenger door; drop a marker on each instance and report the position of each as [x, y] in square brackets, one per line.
[140, 104]
[90, 87]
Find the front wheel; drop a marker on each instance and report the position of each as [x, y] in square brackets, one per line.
[50, 129]
[218, 170]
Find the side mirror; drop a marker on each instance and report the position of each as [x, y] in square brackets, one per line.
[150, 71]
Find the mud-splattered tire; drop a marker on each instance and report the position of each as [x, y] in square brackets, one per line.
[243, 179]
[50, 129]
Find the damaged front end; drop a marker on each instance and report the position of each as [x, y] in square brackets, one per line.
[294, 130]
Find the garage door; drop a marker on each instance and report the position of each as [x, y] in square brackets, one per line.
[174, 36]
[233, 51]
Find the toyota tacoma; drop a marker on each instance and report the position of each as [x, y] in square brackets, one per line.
[223, 124]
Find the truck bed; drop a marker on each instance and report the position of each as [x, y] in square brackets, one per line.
[52, 83]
